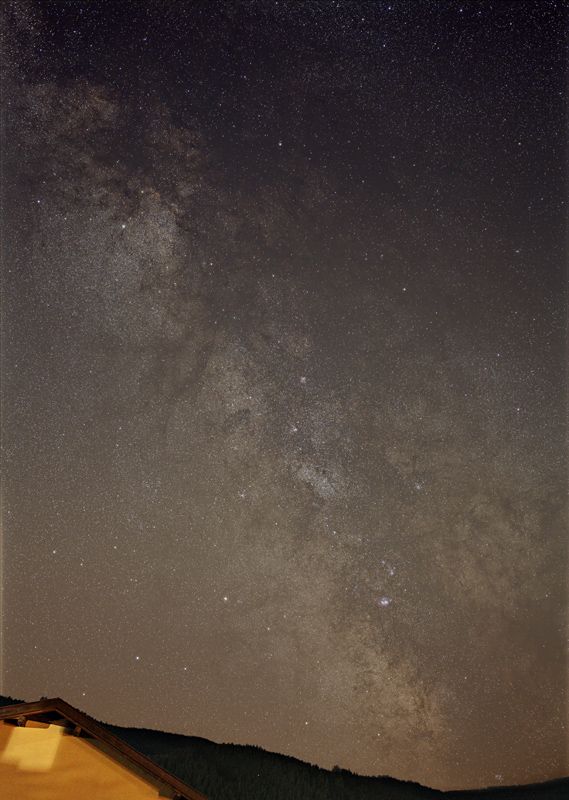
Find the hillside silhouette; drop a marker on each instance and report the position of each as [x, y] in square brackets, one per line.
[244, 772]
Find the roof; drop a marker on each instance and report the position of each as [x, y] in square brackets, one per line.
[57, 711]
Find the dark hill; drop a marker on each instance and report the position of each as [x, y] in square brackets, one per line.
[241, 772]
[238, 772]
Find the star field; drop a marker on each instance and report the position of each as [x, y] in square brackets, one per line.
[284, 376]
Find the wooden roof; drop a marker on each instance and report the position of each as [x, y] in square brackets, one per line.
[56, 711]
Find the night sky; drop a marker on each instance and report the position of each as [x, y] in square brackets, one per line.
[284, 366]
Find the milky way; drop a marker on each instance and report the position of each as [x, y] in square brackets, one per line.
[284, 376]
